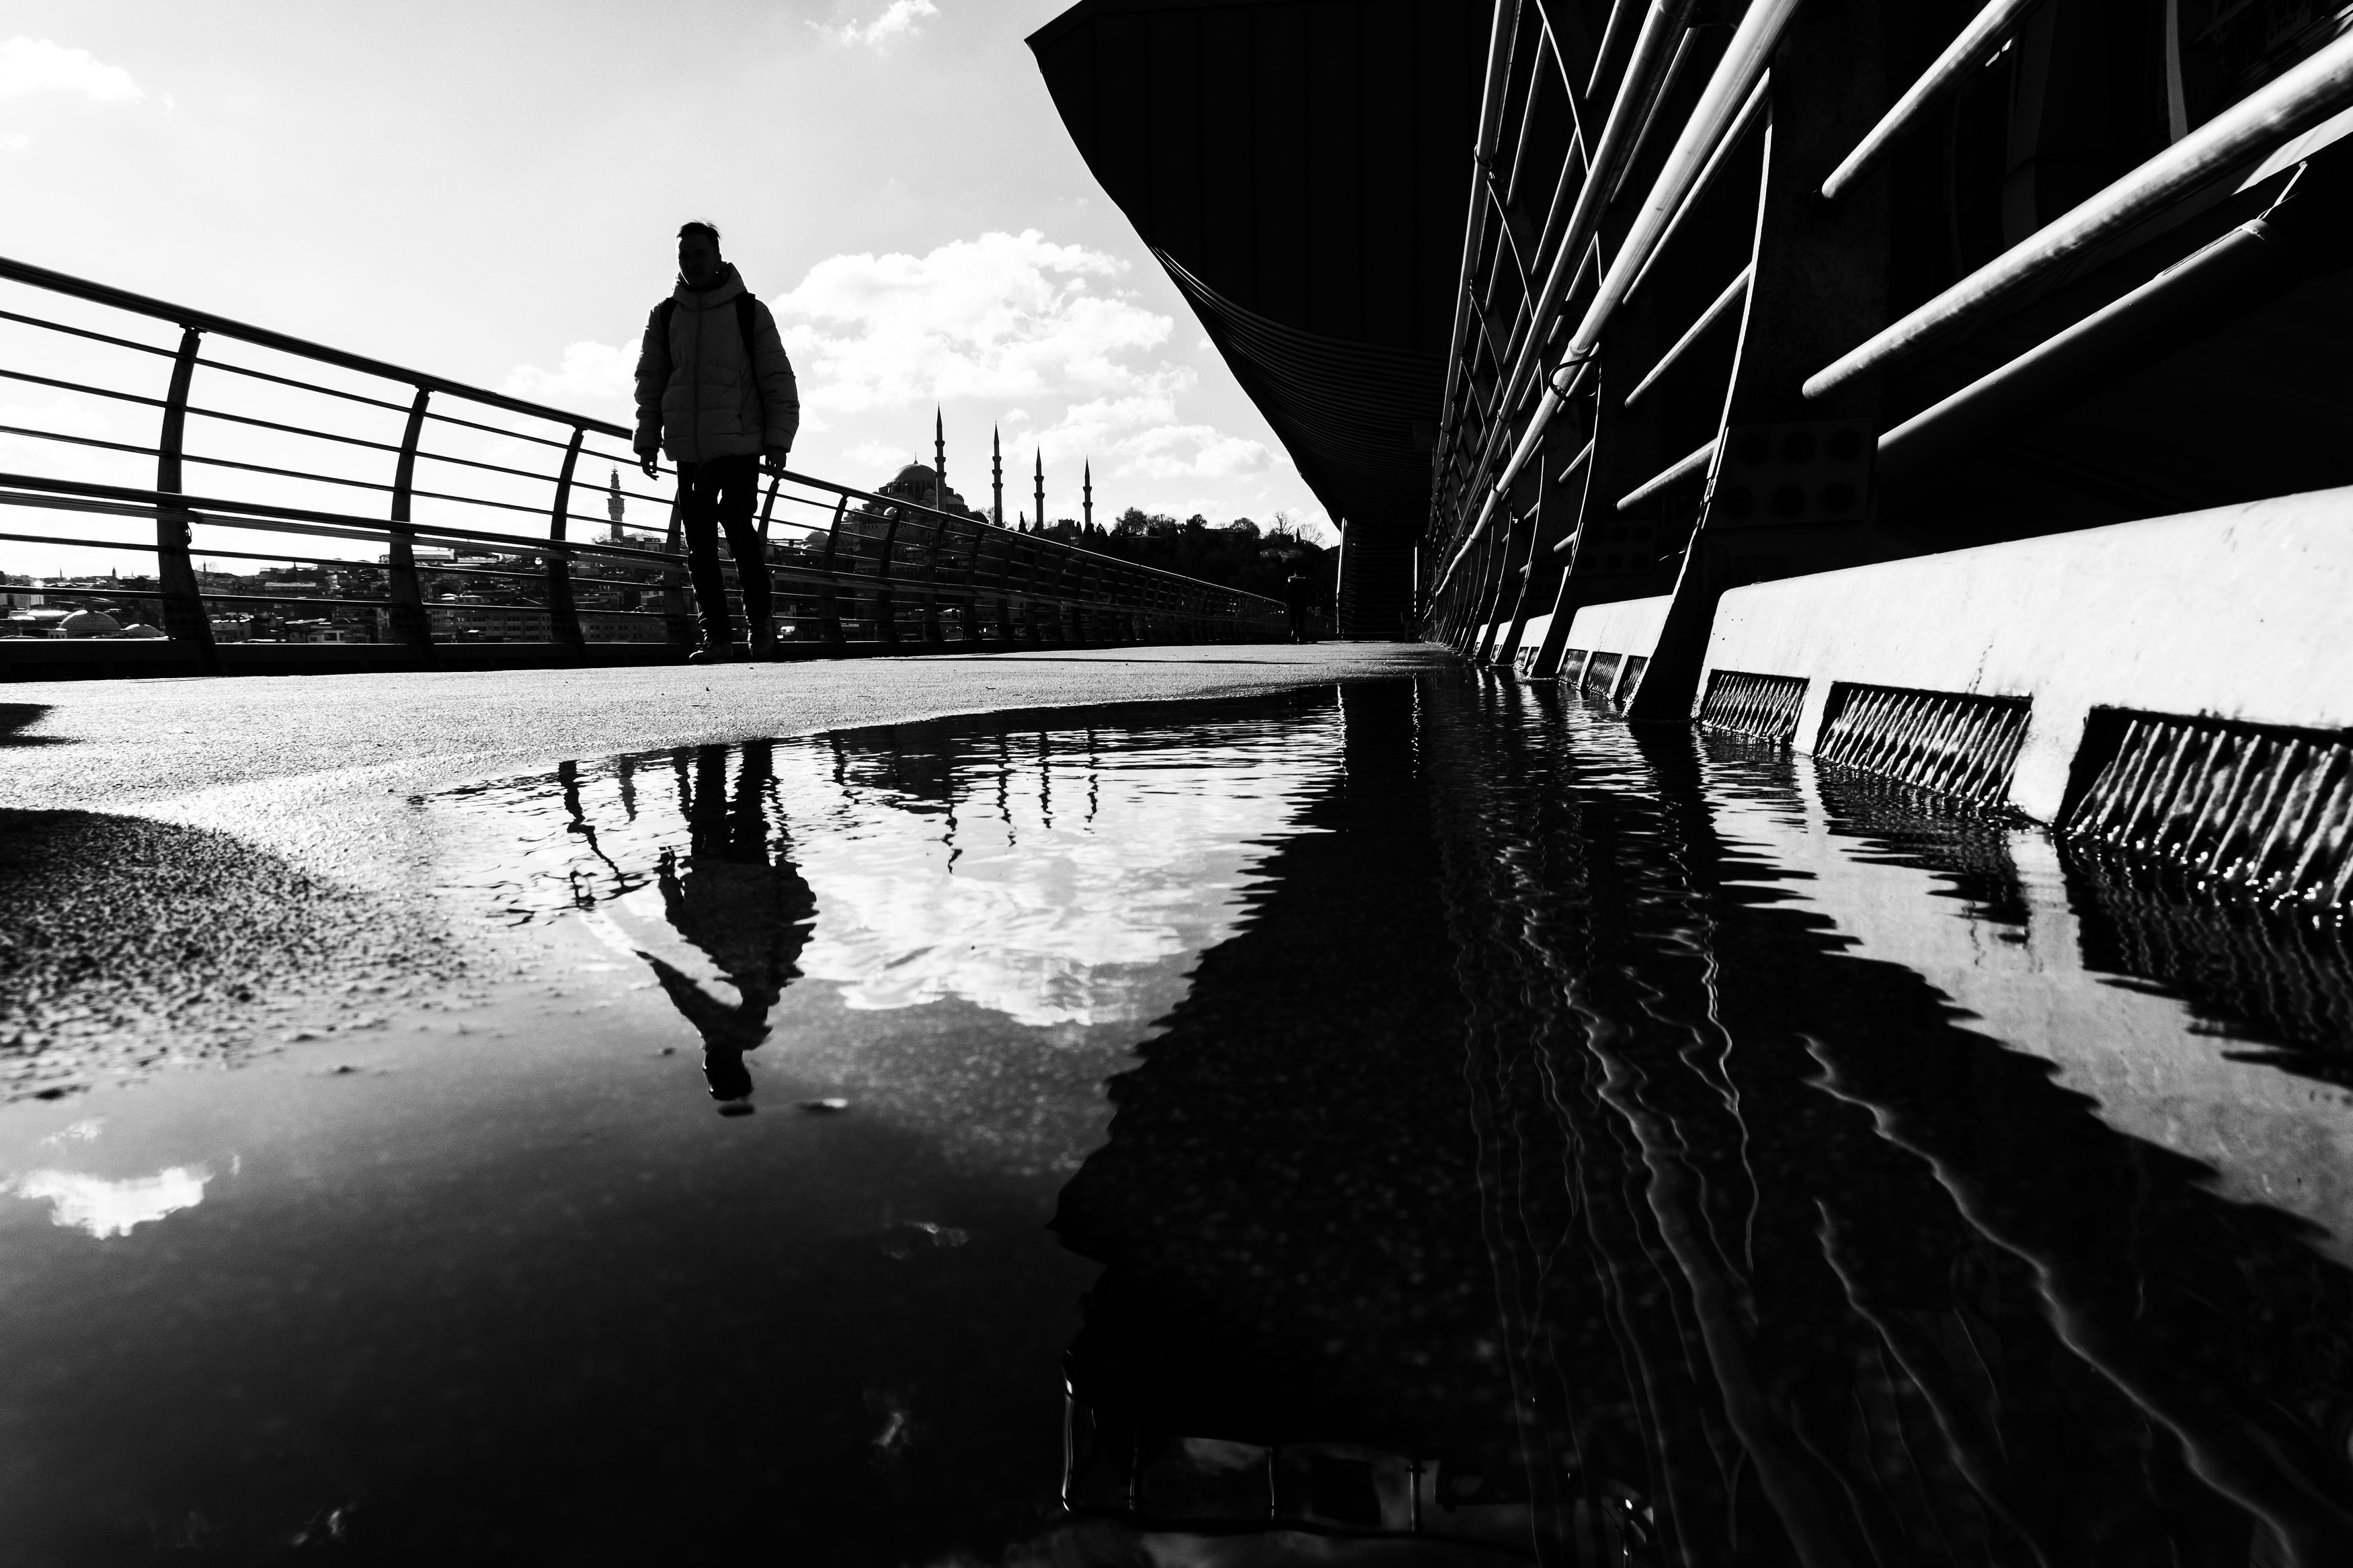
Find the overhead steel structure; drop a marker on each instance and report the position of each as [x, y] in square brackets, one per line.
[1297, 168]
[1755, 289]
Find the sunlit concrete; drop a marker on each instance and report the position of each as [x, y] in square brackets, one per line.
[2236, 613]
[1625, 627]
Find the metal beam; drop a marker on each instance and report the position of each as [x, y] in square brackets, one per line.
[1964, 55]
[2302, 97]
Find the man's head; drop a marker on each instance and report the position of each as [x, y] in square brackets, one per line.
[698, 253]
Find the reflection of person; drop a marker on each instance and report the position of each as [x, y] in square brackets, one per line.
[750, 916]
[716, 393]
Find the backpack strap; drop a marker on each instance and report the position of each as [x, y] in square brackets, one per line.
[663, 313]
[744, 325]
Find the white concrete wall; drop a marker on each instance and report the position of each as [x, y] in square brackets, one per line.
[2240, 613]
[1532, 641]
[1629, 626]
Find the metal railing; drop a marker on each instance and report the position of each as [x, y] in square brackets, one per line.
[480, 495]
[1548, 269]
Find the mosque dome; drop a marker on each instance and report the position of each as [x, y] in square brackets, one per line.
[915, 481]
[90, 624]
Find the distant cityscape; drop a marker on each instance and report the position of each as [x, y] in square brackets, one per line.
[485, 592]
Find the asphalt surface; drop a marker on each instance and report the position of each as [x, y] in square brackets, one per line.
[192, 869]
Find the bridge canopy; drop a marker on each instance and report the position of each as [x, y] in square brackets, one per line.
[1299, 169]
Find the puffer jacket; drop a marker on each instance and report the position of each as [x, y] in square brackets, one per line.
[698, 397]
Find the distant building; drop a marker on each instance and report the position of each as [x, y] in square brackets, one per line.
[454, 619]
[920, 483]
[318, 632]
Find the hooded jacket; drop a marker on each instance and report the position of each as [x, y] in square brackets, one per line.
[699, 395]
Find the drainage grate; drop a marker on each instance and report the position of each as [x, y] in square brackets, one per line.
[1572, 667]
[2268, 808]
[1632, 681]
[1765, 706]
[1950, 741]
[1600, 674]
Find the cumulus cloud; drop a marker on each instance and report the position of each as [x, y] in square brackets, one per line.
[14, 142]
[1140, 435]
[1011, 320]
[591, 373]
[897, 20]
[1002, 316]
[38, 65]
[879, 454]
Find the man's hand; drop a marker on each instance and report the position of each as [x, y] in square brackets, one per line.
[651, 463]
[774, 458]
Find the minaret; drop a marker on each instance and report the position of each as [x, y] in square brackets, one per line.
[1041, 492]
[614, 506]
[939, 460]
[995, 478]
[1087, 505]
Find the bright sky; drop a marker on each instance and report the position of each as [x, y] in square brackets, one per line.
[489, 191]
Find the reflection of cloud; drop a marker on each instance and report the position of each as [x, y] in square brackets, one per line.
[1061, 881]
[1072, 923]
[104, 1208]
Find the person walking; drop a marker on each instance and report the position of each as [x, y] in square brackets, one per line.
[1296, 593]
[716, 392]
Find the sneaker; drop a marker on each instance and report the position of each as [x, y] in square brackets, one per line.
[763, 649]
[707, 653]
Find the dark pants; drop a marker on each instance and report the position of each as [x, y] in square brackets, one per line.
[713, 495]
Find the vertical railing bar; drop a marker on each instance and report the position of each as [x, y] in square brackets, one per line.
[186, 620]
[563, 616]
[410, 624]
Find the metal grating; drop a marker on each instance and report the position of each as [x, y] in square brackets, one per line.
[1765, 706]
[2268, 809]
[1631, 681]
[1951, 742]
[1600, 674]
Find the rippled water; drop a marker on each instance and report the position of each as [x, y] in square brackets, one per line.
[1532, 1139]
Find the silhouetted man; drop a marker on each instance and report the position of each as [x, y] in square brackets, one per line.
[716, 393]
[1296, 593]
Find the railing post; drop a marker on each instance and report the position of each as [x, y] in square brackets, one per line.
[1071, 583]
[767, 509]
[886, 601]
[1005, 590]
[829, 593]
[678, 624]
[1029, 586]
[563, 615]
[410, 624]
[185, 619]
[1090, 598]
[933, 637]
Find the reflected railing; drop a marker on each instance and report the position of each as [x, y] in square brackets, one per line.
[479, 499]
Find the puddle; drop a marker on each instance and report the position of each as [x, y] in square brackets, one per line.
[1532, 1139]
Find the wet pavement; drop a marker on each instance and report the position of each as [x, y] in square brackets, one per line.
[1398, 1120]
